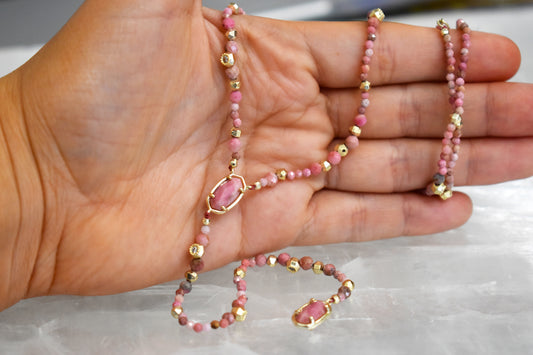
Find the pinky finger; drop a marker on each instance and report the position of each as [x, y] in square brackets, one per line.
[336, 217]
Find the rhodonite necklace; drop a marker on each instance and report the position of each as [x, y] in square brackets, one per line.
[227, 193]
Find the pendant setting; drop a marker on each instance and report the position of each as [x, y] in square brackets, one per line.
[226, 194]
[311, 314]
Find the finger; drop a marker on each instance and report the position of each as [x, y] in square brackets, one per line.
[402, 54]
[422, 110]
[409, 164]
[347, 217]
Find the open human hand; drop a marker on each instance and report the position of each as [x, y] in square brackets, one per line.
[117, 130]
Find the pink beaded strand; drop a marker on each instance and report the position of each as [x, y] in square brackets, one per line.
[443, 180]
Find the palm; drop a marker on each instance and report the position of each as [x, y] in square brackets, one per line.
[136, 120]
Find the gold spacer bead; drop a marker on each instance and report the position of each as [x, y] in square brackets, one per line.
[365, 85]
[446, 194]
[235, 132]
[355, 130]
[176, 312]
[335, 298]
[349, 284]
[444, 31]
[205, 221]
[234, 7]
[326, 166]
[281, 174]
[456, 119]
[231, 34]
[342, 149]
[196, 250]
[215, 324]
[257, 185]
[318, 267]
[272, 260]
[233, 163]
[239, 313]
[293, 265]
[191, 276]
[377, 13]
[227, 59]
[438, 189]
[235, 85]
[239, 272]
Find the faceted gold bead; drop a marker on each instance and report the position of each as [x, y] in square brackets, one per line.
[318, 267]
[257, 185]
[191, 276]
[456, 119]
[377, 13]
[215, 324]
[176, 312]
[234, 7]
[239, 313]
[196, 250]
[446, 194]
[231, 34]
[281, 174]
[355, 130]
[235, 132]
[272, 260]
[233, 163]
[206, 221]
[444, 31]
[326, 166]
[293, 265]
[342, 149]
[335, 298]
[365, 85]
[438, 189]
[349, 284]
[239, 272]
[235, 85]
[227, 59]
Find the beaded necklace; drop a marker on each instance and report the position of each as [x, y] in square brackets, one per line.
[227, 193]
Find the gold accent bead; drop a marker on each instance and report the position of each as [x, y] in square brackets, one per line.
[342, 149]
[191, 276]
[239, 272]
[446, 194]
[239, 313]
[235, 132]
[227, 59]
[365, 85]
[258, 185]
[349, 284]
[438, 189]
[205, 221]
[318, 267]
[215, 324]
[355, 130]
[335, 298]
[293, 265]
[233, 163]
[444, 31]
[326, 166]
[281, 174]
[196, 250]
[235, 85]
[456, 119]
[176, 312]
[234, 7]
[231, 34]
[377, 13]
[272, 260]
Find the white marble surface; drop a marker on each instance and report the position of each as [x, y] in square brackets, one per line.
[466, 291]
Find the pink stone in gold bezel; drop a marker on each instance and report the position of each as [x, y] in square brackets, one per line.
[313, 323]
[211, 197]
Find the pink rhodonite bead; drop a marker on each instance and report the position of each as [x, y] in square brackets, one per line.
[226, 193]
[315, 310]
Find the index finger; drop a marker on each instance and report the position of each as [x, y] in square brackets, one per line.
[402, 54]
